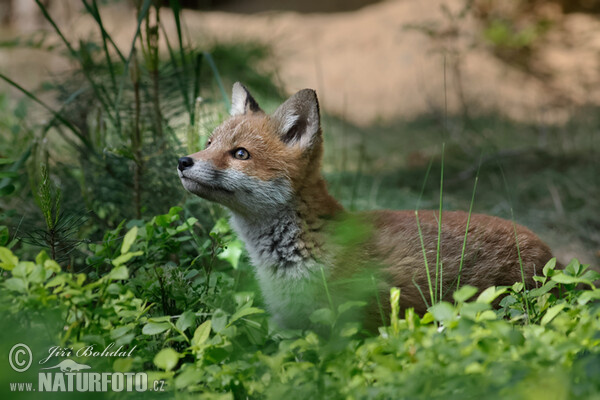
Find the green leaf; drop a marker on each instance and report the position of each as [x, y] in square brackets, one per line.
[221, 227]
[38, 274]
[41, 257]
[154, 328]
[201, 333]
[350, 305]
[542, 290]
[573, 267]
[323, 316]
[219, 320]
[16, 284]
[51, 265]
[490, 294]
[123, 364]
[8, 260]
[464, 293]
[517, 287]
[243, 313]
[120, 331]
[167, 359]
[567, 279]
[471, 310]
[120, 272]
[186, 320]
[188, 377]
[123, 258]
[551, 313]
[442, 311]
[588, 295]
[129, 239]
[57, 280]
[550, 266]
[232, 253]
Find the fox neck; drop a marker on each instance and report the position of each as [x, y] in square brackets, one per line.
[289, 240]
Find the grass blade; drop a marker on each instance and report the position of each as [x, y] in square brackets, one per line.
[438, 264]
[56, 115]
[213, 67]
[464, 245]
[143, 12]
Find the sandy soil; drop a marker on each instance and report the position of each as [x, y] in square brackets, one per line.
[368, 65]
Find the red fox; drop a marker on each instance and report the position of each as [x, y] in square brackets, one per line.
[304, 246]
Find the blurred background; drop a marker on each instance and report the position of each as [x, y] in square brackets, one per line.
[496, 102]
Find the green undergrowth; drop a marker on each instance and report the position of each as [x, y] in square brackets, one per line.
[183, 303]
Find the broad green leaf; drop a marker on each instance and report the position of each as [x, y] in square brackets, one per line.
[167, 359]
[221, 226]
[243, 313]
[550, 266]
[154, 328]
[490, 294]
[487, 315]
[174, 211]
[129, 239]
[517, 287]
[219, 320]
[588, 295]
[567, 279]
[201, 333]
[574, 267]
[322, 316]
[185, 320]
[120, 331]
[551, 313]
[442, 311]
[123, 364]
[350, 305]
[542, 290]
[57, 280]
[464, 293]
[41, 257]
[120, 272]
[38, 274]
[232, 253]
[471, 310]
[188, 377]
[8, 260]
[123, 258]
[51, 265]
[16, 284]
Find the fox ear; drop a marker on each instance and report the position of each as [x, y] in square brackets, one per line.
[242, 101]
[298, 119]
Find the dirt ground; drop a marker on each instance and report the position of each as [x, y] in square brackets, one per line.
[369, 65]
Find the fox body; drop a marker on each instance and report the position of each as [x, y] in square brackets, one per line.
[266, 170]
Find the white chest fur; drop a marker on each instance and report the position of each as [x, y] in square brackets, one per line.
[289, 272]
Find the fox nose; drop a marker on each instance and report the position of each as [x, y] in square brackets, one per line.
[185, 163]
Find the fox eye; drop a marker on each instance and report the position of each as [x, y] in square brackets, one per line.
[208, 142]
[241, 154]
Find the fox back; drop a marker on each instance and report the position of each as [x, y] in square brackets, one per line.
[266, 170]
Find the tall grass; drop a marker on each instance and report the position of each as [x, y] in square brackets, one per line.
[119, 112]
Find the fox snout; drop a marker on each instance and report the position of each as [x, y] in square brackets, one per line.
[185, 163]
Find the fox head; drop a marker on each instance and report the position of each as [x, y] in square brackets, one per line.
[255, 163]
